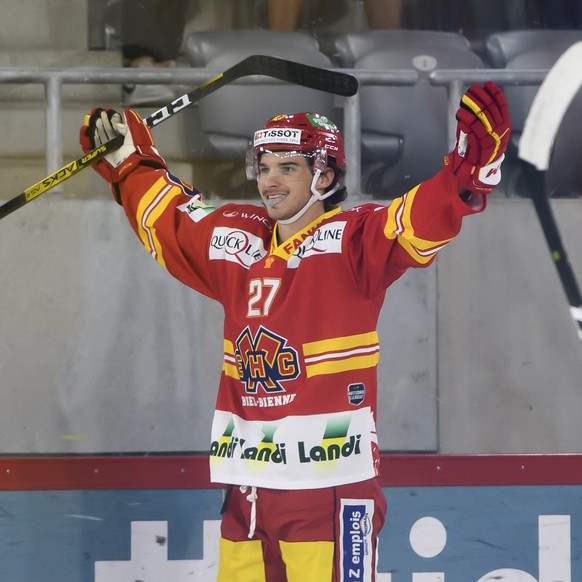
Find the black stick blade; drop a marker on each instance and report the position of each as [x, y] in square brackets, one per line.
[318, 78]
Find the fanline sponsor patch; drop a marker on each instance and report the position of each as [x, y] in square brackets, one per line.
[326, 239]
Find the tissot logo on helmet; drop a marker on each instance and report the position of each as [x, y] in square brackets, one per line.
[278, 135]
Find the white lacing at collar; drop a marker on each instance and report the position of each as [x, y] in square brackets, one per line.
[252, 499]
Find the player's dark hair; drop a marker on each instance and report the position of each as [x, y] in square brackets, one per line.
[341, 194]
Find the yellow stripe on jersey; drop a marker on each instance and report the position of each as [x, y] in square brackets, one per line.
[345, 365]
[399, 226]
[150, 208]
[229, 366]
[340, 343]
[230, 370]
[335, 355]
[228, 347]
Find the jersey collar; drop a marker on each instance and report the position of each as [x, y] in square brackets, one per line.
[286, 249]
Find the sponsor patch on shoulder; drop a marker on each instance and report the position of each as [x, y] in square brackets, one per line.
[196, 209]
[356, 540]
[326, 239]
[236, 246]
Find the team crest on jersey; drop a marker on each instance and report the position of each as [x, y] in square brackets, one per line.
[265, 360]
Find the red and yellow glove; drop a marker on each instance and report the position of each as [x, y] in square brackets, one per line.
[103, 125]
[483, 132]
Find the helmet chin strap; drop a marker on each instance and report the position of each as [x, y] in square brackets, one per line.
[315, 196]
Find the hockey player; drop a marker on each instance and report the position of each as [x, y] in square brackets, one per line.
[302, 283]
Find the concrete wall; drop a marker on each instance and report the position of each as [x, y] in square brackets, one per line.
[510, 362]
[45, 34]
[100, 350]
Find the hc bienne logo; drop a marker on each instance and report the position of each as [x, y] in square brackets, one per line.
[265, 359]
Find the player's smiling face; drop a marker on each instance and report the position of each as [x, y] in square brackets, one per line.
[284, 183]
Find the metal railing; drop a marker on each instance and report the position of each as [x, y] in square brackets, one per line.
[455, 80]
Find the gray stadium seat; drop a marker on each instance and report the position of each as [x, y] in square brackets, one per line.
[405, 129]
[564, 179]
[502, 47]
[534, 50]
[230, 116]
[352, 46]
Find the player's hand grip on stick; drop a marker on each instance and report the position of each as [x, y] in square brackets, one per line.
[316, 78]
[483, 131]
[103, 126]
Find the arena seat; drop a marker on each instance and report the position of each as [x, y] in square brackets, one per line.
[502, 47]
[534, 50]
[351, 47]
[229, 118]
[404, 128]
[564, 179]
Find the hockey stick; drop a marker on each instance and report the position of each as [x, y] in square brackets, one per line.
[296, 73]
[548, 108]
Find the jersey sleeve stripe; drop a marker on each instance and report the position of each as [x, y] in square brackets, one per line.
[399, 226]
[150, 208]
[143, 205]
[230, 370]
[229, 366]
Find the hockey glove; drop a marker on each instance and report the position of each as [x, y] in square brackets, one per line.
[483, 131]
[103, 125]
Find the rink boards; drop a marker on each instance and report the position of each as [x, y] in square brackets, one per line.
[470, 518]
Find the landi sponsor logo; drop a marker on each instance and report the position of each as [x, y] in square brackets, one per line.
[232, 447]
[330, 451]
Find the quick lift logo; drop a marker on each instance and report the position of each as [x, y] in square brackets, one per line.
[236, 246]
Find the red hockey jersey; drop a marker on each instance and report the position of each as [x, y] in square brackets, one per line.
[296, 404]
